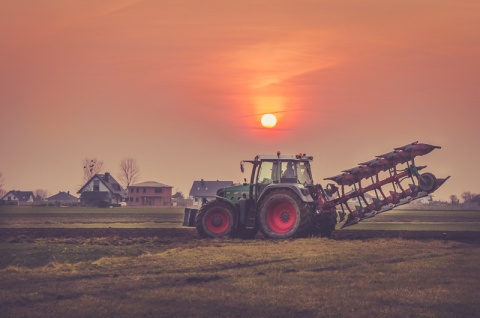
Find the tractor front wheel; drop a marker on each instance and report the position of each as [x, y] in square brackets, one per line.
[215, 219]
[283, 215]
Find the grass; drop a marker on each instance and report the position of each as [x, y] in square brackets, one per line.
[235, 278]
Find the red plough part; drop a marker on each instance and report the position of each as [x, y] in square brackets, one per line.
[378, 200]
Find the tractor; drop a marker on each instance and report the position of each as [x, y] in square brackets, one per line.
[282, 200]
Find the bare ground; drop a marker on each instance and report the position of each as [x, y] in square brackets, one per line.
[188, 234]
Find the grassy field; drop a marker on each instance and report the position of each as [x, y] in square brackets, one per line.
[232, 278]
[154, 276]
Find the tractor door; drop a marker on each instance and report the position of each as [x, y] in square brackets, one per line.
[267, 173]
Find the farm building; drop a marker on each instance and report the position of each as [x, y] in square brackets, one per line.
[18, 198]
[102, 190]
[206, 190]
[149, 193]
[63, 198]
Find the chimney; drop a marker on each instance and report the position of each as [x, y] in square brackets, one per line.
[107, 176]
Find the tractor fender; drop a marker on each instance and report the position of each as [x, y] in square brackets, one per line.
[240, 208]
[219, 198]
[302, 193]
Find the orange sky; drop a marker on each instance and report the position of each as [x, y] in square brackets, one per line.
[179, 85]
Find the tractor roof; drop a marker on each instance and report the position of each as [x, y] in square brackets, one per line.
[271, 157]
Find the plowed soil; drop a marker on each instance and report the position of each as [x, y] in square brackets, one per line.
[188, 234]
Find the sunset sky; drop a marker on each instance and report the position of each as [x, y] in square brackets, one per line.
[180, 85]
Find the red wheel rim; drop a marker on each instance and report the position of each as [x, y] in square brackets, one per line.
[217, 221]
[281, 217]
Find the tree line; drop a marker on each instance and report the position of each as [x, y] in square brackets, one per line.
[467, 197]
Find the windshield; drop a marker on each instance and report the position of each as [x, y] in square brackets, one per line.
[286, 171]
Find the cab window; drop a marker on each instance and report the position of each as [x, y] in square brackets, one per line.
[304, 175]
[267, 172]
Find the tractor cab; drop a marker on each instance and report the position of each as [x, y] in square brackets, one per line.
[274, 170]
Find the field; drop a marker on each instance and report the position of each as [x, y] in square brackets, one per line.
[76, 262]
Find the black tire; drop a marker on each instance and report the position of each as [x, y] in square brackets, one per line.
[215, 219]
[427, 181]
[283, 215]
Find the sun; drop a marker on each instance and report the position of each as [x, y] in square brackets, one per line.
[269, 120]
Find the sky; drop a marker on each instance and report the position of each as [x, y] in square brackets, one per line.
[180, 85]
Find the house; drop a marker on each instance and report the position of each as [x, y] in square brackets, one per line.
[150, 193]
[206, 190]
[63, 198]
[18, 198]
[102, 190]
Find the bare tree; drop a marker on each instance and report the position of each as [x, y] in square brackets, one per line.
[467, 196]
[91, 167]
[2, 192]
[178, 194]
[129, 171]
[41, 194]
[454, 199]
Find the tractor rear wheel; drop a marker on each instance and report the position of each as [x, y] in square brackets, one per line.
[283, 215]
[215, 219]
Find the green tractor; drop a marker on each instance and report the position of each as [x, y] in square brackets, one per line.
[281, 201]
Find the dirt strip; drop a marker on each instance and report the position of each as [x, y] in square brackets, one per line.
[186, 234]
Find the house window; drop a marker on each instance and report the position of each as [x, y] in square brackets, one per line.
[96, 185]
[136, 199]
[144, 190]
[158, 190]
[131, 190]
[138, 190]
[131, 199]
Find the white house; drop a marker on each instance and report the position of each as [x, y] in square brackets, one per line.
[102, 190]
[18, 197]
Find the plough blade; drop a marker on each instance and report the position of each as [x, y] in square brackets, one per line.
[424, 184]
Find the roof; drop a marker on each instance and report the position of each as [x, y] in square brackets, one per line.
[22, 196]
[150, 184]
[109, 181]
[62, 196]
[269, 157]
[204, 188]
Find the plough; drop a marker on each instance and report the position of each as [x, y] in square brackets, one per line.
[350, 183]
